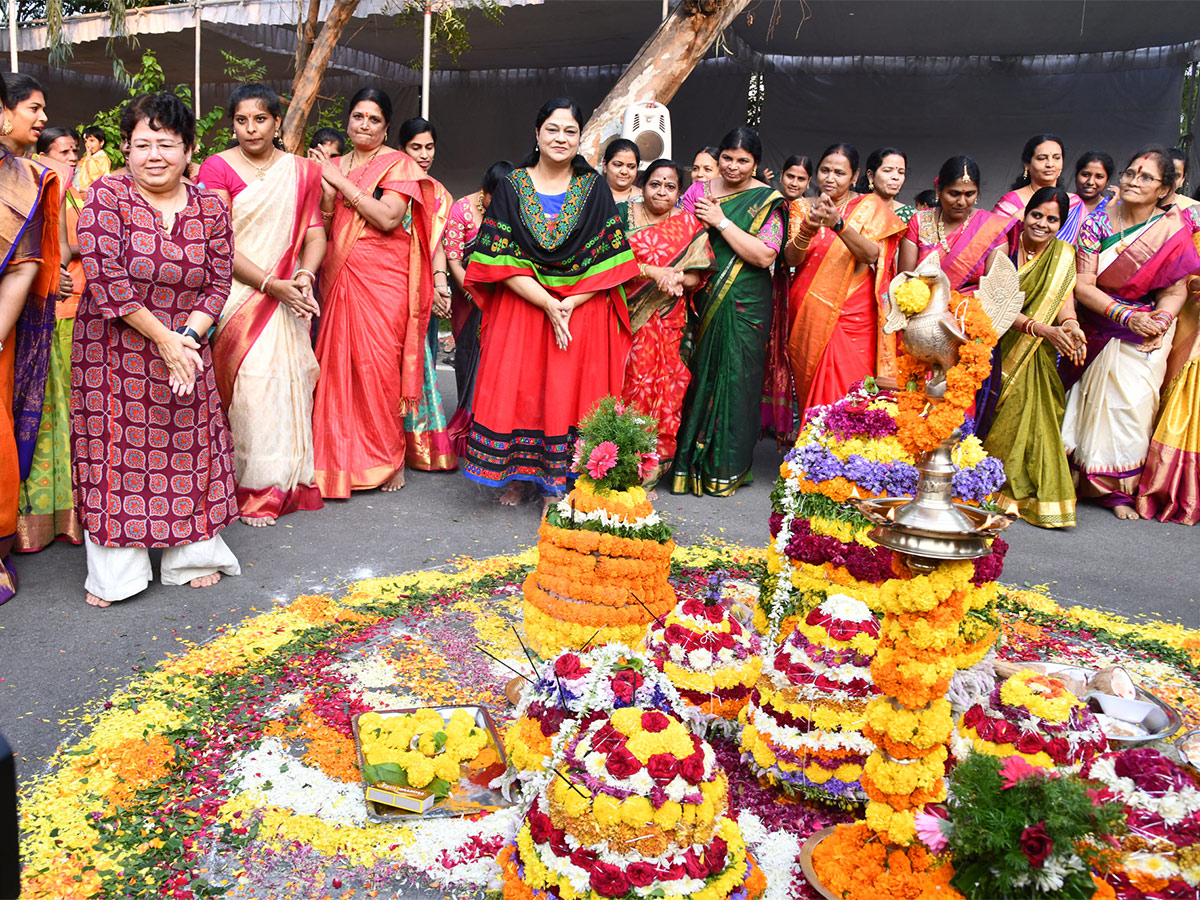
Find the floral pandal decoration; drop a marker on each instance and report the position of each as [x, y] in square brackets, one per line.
[638, 809]
[803, 727]
[709, 656]
[603, 553]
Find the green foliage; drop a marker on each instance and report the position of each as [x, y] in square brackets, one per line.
[331, 114]
[613, 426]
[243, 70]
[660, 532]
[988, 820]
[448, 34]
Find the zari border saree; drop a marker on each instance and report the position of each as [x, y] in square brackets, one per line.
[1026, 433]
[727, 350]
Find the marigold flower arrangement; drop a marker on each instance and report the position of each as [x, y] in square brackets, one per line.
[802, 729]
[420, 749]
[1017, 830]
[571, 687]
[603, 553]
[1035, 717]
[1161, 804]
[638, 809]
[820, 542]
[919, 433]
[710, 657]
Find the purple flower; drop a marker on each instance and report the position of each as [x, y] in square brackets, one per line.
[818, 463]
[902, 480]
[976, 483]
[870, 476]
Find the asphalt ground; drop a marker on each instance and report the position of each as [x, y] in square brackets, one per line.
[59, 656]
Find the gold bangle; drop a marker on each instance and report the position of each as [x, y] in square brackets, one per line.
[642, 270]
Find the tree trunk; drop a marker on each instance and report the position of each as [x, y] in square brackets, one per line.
[306, 33]
[308, 80]
[662, 65]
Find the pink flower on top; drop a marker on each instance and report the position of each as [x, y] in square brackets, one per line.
[603, 458]
[648, 464]
[1016, 769]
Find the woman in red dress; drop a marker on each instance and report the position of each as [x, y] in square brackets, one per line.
[674, 260]
[153, 453]
[547, 268]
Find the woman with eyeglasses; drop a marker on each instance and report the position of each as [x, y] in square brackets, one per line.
[153, 452]
[1132, 259]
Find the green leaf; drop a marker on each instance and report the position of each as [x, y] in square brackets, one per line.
[439, 739]
[439, 787]
[385, 773]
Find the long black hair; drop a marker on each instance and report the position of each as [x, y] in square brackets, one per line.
[495, 173]
[742, 138]
[847, 150]
[955, 168]
[376, 96]
[1050, 193]
[1030, 148]
[19, 87]
[262, 94]
[579, 165]
[49, 135]
[874, 160]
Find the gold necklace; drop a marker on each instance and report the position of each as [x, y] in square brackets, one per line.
[1027, 255]
[354, 156]
[1121, 245]
[941, 228]
[260, 171]
[646, 215]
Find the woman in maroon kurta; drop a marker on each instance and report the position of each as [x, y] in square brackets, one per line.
[153, 454]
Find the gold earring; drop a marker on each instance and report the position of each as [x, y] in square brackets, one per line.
[7, 129]
[871, 184]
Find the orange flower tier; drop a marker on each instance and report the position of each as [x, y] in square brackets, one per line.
[603, 562]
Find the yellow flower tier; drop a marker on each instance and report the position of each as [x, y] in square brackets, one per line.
[603, 562]
[642, 808]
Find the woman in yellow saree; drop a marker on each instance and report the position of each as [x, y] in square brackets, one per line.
[1026, 430]
[265, 367]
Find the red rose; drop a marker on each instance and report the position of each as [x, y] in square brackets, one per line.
[714, 856]
[1005, 732]
[569, 666]
[550, 721]
[654, 721]
[662, 767]
[715, 613]
[674, 634]
[973, 717]
[641, 874]
[625, 683]
[585, 859]
[1029, 742]
[540, 826]
[621, 763]
[692, 767]
[693, 866]
[1036, 844]
[1059, 750]
[609, 880]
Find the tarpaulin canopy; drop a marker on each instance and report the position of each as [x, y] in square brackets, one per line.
[974, 76]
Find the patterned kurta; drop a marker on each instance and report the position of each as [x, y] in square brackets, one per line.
[151, 469]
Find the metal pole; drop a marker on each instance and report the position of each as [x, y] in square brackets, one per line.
[665, 9]
[425, 60]
[196, 95]
[12, 35]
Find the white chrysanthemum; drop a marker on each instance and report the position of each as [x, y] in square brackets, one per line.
[700, 659]
[846, 608]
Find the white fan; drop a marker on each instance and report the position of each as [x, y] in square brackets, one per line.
[648, 124]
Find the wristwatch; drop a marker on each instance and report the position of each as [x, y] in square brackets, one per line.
[837, 227]
[723, 224]
[188, 331]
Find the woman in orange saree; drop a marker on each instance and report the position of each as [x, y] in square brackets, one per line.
[262, 352]
[674, 261]
[376, 285]
[29, 277]
[844, 250]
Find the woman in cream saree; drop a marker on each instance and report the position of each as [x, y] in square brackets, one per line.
[265, 367]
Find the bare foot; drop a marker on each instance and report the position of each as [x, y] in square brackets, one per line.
[395, 484]
[652, 494]
[93, 600]
[258, 521]
[514, 495]
[205, 580]
[1125, 512]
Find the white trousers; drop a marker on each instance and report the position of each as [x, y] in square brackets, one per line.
[116, 573]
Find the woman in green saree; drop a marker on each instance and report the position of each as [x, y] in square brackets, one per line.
[726, 343]
[1026, 431]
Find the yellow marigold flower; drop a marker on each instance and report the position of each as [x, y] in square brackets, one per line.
[912, 296]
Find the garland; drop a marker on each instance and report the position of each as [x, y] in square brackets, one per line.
[923, 434]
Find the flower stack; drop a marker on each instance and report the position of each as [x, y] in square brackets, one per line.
[603, 553]
[1161, 847]
[572, 687]
[1034, 716]
[803, 727]
[710, 657]
[820, 543]
[637, 809]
